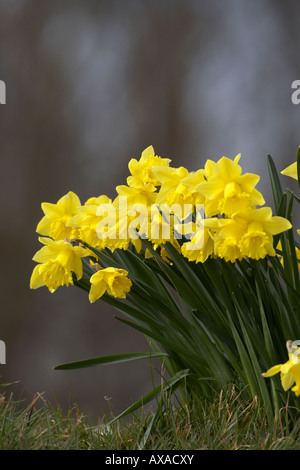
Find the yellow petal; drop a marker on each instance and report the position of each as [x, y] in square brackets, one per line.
[272, 371]
[212, 188]
[70, 202]
[44, 254]
[52, 211]
[77, 267]
[228, 169]
[98, 286]
[291, 171]
[287, 380]
[43, 227]
[36, 279]
[147, 153]
[277, 225]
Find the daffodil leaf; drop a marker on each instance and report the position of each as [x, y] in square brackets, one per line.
[111, 359]
[275, 183]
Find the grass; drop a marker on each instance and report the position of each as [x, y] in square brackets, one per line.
[225, 423]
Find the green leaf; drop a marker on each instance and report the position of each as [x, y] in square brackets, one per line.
[193, 281]
[245, 360]
[172, 344]
[275, 183]
[111, 359]
[175, 279]
[256, 370]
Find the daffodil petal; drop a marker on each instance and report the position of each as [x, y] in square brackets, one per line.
[291, 171]
[36, 279]
[272, 371]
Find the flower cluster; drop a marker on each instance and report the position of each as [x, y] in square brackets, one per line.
[215, 211]
[60, 258]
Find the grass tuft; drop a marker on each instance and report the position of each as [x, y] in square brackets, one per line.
[227, 422]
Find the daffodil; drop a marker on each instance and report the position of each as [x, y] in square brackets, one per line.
[57, 261]
[291, 171]
[248, 234]
[87, 219]
[122, 224]
[145, 195]
[257, 241]
[111, 280]
[141, 171]
[54, 222]
[226, 190]
[289, 371]
[173, 189]
[226, 239]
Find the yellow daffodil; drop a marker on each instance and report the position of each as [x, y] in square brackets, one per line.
[87, 219]
[291, 171]
[172, 187]
[57, 261]
[227, 191]
[226, 239]
[257, 241]
[249, 234]
[111, 280]
[289, 371]
[191, 181]
[145, 195]
[141, 171]
[54, 222]
[121, 225]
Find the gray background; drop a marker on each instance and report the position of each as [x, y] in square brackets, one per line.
[90, 84]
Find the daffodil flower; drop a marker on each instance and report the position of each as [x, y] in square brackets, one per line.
[57, 261]
[227, 191]
[289, 371]
[111, 280]
[172, 187]
[247, 234]
[141, 171]
[257, 241]
[145, 195]
[87, 219]
[54, 222]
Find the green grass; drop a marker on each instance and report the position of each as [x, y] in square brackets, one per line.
[227, 422]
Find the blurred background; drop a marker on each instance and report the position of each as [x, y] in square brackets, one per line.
[91, 84]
